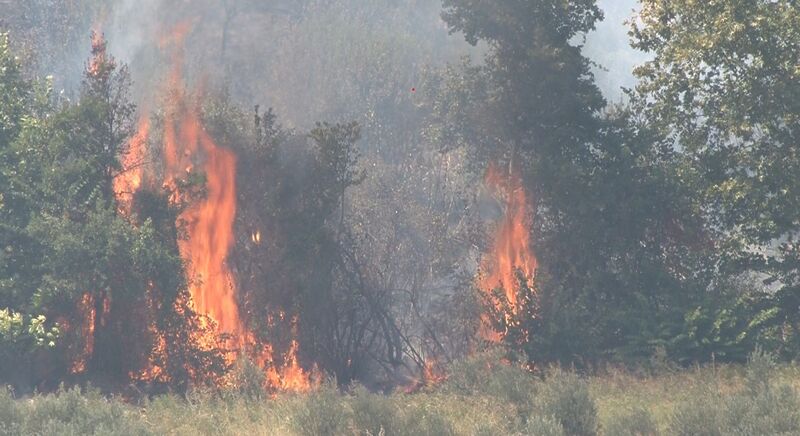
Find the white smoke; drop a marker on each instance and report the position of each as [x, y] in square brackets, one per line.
[609, 46]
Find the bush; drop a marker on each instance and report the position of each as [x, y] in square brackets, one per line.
[247, 380]
[422, 419]
[544, 426]
[760, 408]
[486, 374]
[10, 417]
[71, 412]
[566, 397]
[637, 422]
[322, 412]
[373, 414]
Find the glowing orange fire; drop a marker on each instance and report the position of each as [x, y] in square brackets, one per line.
[209, 222]
[192, 158]
[87, 310]
[129, 180]
[209, 226]
[512, 251]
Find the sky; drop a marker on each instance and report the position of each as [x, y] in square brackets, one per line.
[609, 46]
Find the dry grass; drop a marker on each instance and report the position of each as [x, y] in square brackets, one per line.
[482, 397]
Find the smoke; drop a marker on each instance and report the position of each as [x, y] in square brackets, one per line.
[130, 26]
[609, 47]
[311, 60]
[308, 59]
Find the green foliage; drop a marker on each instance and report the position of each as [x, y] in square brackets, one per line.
[707, 401]
[544, 426]
[33, 332]
[69, 252]
[15, 92]
[247, 380]
[69, 412]
[510, 383]
[722, 85]
[636, 422]
[22, 337]
[614, 230]
[321, 413]
[374, 414]
[763, 407]
[565, 397]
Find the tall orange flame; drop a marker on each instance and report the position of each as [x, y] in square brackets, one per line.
[209, 222]
[129, 180]
[209, 226]
[512, 251]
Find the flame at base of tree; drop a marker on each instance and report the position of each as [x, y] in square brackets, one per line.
[86, 328]
[209, 227]
[508, 269]
[200, 178]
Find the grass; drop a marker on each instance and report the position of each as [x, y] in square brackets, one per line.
[481, 397]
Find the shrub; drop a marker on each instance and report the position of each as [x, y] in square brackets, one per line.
[247, 380]
[10, 416]
[698, 417]
[71, 412]
[760, 408]
[544, 426]
[321, 412]
[637, 422]
[487, 374]
[423, 419]
[565, 396]
[373, 414]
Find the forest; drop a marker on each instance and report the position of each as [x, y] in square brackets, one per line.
[548, 217]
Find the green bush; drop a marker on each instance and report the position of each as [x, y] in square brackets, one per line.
[422, 419]
[544, 426]
[10, 416]
[565, 396]
[373, 414]
[637, 422]
[762, 407]
[321, 413]
[247, 380]
[486, 374]
[72, 412]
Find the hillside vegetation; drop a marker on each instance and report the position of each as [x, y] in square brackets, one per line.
[482, 396]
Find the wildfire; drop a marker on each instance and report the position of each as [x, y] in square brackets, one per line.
[192, 159]
[511, 252]
[209, 225]
[209, 222]
[129, 180]
[87, 310]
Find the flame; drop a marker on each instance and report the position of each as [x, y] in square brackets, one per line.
[209, 225]
[209, 222]
[129, 180]
[88, 313]
[100, 62]
[512, 250]
[432, 374]
[291, 376]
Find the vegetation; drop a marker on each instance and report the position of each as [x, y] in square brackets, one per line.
[484, 396]
[394, 214]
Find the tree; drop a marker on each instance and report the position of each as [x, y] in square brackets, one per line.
[722, 90]
[112, 282]
[611, 225]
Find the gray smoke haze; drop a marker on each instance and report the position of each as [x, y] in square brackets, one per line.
[609, 46]
[309, 59]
